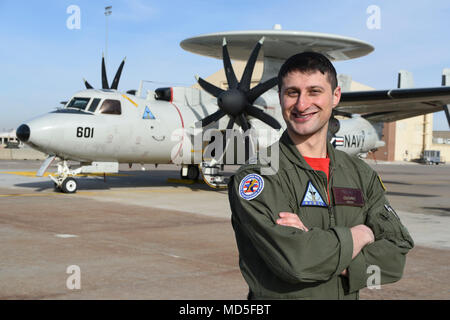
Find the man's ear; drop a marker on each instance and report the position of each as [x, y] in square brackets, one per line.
[336, 96]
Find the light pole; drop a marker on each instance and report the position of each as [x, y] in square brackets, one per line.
[108, 12]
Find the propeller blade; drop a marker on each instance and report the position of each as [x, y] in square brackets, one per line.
[447, 113]
[230, 123]
[210, 88]
[257, 91]
[243, 122]
[115, 82]
[212, 117]
[264, 117]
[245, 126]
[229, 72]
[104, 78]
[248, 71]
[229, 127]
[88, 86]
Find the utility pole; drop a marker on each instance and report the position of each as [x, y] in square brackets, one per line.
[108, 12]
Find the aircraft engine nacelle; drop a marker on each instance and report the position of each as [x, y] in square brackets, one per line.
[357, 135]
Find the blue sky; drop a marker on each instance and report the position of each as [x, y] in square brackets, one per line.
[43, 62]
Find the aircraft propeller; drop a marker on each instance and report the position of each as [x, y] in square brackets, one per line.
[105, 84]
[237, 101]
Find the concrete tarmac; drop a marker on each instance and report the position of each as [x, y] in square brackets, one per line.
[139, 236]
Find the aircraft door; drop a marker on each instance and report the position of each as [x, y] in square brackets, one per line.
[154, 127]
[158, 121]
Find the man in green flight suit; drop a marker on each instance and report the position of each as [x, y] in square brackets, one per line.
[321, 226]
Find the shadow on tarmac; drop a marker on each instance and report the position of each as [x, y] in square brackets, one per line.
[127, 179]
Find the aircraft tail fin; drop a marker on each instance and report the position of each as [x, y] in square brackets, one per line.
[345, 82]
[446, 82]
[405, 79]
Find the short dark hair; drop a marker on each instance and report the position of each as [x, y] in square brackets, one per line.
[308, 62]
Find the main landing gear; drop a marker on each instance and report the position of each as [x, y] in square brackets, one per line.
[190, 172]
[210, 173]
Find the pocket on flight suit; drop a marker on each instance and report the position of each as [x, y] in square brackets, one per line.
[387, 225]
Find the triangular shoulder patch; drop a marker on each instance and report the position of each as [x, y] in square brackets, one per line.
[312, 197]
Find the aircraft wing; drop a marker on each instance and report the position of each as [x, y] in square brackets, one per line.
[396, 104]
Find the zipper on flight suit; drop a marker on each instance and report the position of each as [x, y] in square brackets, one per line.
[330, 206]
[324, 186]
[332, 224]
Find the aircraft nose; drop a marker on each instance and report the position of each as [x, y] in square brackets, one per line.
[23, 133]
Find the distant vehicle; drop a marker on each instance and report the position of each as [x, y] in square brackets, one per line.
[12, 145]
[432, 157]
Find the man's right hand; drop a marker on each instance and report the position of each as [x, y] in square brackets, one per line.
[362, 235]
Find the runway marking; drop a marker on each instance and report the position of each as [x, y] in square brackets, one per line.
[43, 194]
[33, 174]
[65, 236]
[25, 173]
[94, 193]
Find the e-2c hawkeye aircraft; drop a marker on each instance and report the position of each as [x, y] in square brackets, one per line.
[101, 128]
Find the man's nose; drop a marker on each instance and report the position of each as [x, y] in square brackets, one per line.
[303, 103]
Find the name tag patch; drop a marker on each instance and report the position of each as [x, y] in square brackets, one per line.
[348, 197]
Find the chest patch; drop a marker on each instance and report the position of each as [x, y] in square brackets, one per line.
[348, 197]
[312, 197]
[251, 186]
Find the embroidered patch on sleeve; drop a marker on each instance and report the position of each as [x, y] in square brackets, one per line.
[381, 181]
[391, 210]
[251, 186]
[312, 197]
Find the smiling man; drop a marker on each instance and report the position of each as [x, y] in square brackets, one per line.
[318, 227]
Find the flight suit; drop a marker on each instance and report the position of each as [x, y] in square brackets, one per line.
[281, 262]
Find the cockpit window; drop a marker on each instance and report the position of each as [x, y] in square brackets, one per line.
[78, 103]
[94, 105]
[110, 106]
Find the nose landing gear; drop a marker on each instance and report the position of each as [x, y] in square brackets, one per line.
[64, 180]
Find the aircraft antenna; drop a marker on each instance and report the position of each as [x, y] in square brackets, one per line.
[108, 12]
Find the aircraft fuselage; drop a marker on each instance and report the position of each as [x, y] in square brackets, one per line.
[148, 130]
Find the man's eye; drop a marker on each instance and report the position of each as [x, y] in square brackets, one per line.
[292, 93]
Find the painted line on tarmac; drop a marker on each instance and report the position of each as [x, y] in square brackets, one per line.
[25, 173]
[32, 174]
[43, 194]
[93, 193]
[66, 236]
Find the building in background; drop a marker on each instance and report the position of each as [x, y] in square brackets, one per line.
[9, 139]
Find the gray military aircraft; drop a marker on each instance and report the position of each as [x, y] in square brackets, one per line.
[100, 128]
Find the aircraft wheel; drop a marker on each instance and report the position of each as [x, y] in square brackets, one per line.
[193, 172]
[69, 185]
